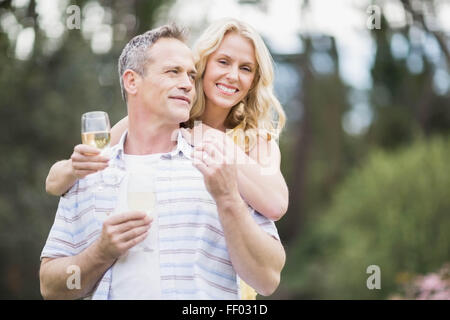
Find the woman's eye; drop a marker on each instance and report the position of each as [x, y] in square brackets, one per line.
[247, 69]
[222, 61]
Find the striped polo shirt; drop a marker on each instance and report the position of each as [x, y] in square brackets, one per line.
[194, 259]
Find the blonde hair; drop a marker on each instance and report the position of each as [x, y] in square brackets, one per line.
[254, 115]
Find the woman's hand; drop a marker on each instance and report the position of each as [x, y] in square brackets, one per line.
[86, 160]
[208, 138]
[63, 174]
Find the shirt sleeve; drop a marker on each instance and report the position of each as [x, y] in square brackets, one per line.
[60, 241]
[265, 223]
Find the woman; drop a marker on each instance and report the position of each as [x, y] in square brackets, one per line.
[235, 103]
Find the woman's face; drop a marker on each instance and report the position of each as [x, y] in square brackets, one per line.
[229, 71]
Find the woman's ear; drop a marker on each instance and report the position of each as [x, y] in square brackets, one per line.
[130, 81]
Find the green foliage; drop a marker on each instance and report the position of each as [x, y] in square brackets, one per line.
[42, 100]
[392, 212]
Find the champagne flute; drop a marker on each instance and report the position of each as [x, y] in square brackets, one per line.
[96, 131]
[141, 197]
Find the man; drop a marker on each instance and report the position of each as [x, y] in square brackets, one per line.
[206, 233]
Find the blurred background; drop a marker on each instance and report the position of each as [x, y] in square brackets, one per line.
[366, 151]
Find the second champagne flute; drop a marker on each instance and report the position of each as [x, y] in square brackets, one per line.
[141, 197]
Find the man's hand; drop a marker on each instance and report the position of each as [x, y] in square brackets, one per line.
[121, 232]
[86, 160]
[204, 135]
[218, 169]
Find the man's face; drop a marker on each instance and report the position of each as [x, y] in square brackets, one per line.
[167, 89]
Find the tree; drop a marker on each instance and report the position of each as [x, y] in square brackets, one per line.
[43, 97]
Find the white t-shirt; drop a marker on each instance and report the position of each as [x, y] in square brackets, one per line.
[136, 274]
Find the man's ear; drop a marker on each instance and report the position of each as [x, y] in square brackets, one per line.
[130, 81]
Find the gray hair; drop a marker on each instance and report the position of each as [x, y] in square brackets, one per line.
[135, 55]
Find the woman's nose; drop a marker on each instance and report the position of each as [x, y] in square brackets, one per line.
[232, 74]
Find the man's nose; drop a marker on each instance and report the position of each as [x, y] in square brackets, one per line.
[186, 83]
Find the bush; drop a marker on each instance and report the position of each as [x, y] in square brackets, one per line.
[394, 212]
[432, 286]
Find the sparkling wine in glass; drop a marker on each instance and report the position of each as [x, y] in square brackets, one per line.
[141, 197]
[96, 129]
[96, 132]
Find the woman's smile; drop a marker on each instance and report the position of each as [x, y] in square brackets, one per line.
[229, 72]
[226, 89]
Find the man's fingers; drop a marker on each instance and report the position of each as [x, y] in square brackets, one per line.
[201, 166]
[209, 155]
[133, 233]
[126, 226]
[125, 216]
[134, 241]
[214, 152]
[208, 159]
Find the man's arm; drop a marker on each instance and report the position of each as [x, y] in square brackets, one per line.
[119, 233]
[54, 274]
[256, 256]
[260, 180]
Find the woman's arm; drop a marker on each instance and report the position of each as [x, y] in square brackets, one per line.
[261, 182]
[256, 256]
[60, 178]
[83, 161]
[118, 130]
